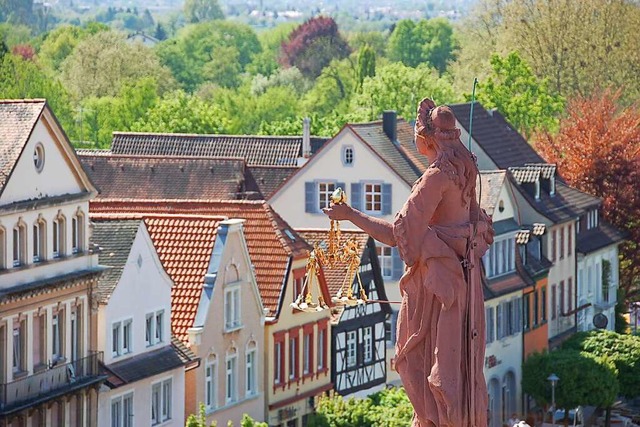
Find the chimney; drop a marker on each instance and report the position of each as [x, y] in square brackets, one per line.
[306, 137]
[389, 124]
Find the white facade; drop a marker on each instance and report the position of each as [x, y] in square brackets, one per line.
[143, 293]
[591, 287]
[503, 357]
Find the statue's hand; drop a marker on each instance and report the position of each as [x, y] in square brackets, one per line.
[338, 212]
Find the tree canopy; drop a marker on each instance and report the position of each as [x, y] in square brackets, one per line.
[597, 150]
[313, 45]
[202, 10]
[524, 99]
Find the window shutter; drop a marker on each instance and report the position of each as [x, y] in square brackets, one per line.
[500, 322]
[309, 197]
[356, 195]
[386, 199]
[398, 264]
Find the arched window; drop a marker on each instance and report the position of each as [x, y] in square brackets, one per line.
[77, 232]
[19, 244]
[494, 403]
[231, 377]
[210, 382]
[508, 395]
[251, 368]
[232, 296]
[59, 236]
[39, 246]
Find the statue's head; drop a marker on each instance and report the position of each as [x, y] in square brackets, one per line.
[443, 119]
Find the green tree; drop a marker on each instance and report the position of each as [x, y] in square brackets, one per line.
[197, 52]
[102, 63]
[20, 78]
[98, 118]
[266, 61]
[622, 349]
[17, 12]
[376, 40]
[429, 41]
[525, 100]
[386, 408]
[179, 112]
[333, 90]
[366, 64]
[160, 33]
[582, 46]
[584, 379]
[59, 43]
[202, 10]
[398, 87]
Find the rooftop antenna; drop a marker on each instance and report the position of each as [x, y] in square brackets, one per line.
[473, 101]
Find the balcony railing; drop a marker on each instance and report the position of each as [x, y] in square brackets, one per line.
[50, 383]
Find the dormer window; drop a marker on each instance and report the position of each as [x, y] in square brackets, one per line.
[592, 219]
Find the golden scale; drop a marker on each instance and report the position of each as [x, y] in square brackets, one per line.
[335, 256]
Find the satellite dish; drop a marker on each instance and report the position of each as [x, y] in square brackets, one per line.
[600, 321]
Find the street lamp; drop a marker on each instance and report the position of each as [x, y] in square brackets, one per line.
[553, 378]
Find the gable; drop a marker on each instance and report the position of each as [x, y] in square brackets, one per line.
[57, 171]
[327, 166]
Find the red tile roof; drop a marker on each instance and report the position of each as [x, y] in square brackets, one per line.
[184, 244]
[154, 177]
[17, 120]
[270, 240]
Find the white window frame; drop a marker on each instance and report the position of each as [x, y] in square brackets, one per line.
[231, 378]
[251, 368]
[499, 260]
[161, 401]
[56, 336]
[325, 190]
[116, 339]
[293, 357]
[277, 374]
[351, 340]
[18, 349]
[149, 333]
[385, 257]
[371, 190]
[159, 327]
[116, 412]
[127, 336]
[322, 333]
[367, 343]
[57, 235]
[232, 308]
[306, 356]
[37, 242]
[348, 155]
[19, 245]
[210, 384]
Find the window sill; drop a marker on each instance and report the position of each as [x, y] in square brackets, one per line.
[228, 330]
[19, 374]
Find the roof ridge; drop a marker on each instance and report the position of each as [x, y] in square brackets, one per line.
[141, 216]
[209, 135]
[182, 201]
[23, 101]
[157, 157]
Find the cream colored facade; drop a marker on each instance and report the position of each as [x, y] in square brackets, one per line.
[230, 346]
[46, 275]
[291, 386]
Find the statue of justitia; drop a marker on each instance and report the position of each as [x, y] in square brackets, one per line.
[441, 234]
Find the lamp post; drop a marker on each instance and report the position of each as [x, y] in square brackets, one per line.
[553, 378]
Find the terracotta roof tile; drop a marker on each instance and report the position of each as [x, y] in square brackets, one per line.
[270, 240]
[164, 178]
[17, 120]
[256, 150]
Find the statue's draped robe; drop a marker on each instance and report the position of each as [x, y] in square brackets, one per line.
[434, 330]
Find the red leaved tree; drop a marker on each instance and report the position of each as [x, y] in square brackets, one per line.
[26, 51]
[597, 150]
[313, 45]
